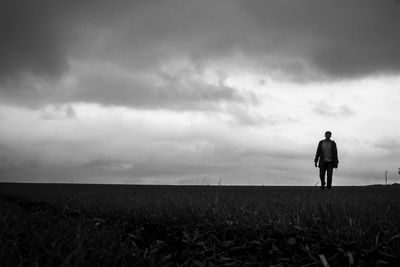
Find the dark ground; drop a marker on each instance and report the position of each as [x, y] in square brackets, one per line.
[137, 225]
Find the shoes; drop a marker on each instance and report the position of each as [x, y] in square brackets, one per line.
[322, 185]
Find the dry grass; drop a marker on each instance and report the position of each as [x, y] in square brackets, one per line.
[73, 225]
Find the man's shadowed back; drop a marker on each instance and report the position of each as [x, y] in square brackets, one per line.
[326, 158]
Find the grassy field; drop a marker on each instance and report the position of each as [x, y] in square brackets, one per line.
[120, 225]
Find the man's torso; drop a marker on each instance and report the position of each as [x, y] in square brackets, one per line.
[327, 150]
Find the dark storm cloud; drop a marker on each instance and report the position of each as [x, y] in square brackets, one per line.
[32, 38]
[36, 36]
[162, 90]
[339, 39]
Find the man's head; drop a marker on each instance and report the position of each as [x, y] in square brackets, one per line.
[328, 135]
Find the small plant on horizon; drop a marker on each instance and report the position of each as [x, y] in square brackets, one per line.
[386, 173]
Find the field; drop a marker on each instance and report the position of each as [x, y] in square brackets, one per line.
[138, 225]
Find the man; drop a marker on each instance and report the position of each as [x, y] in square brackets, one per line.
[326, 159]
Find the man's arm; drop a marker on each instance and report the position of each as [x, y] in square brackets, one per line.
[318, 153]
[335, 155]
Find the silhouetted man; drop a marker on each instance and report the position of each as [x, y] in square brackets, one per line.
[326, 159]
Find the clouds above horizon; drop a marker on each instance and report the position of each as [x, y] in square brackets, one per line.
[307, 40]
[98, 144]
[196, 88]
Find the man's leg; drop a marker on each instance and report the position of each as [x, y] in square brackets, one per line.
[329, 174]
[322, 170]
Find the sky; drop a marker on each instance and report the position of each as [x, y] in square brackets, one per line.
[198, 92]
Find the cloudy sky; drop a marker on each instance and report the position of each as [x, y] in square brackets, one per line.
[187, 91]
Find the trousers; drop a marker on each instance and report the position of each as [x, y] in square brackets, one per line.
[326, 167]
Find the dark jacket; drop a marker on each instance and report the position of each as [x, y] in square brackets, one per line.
[319, 156]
